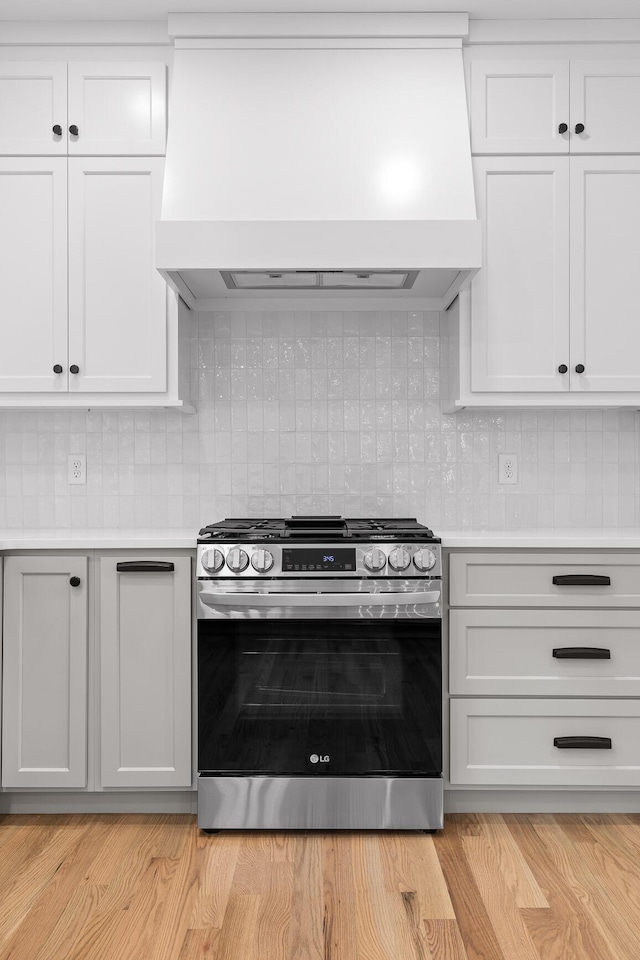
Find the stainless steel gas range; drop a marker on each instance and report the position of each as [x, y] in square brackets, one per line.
[319, 674]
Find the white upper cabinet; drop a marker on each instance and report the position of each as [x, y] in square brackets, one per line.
[517, 106]
[605, 254]
[85, 310]
[605, 98]
[117, 299]
[551, 316]
[548, 316]
[555, 106]
[33, 273]
[520, 298]
[117, 108]
[109, 108]
[33, 108]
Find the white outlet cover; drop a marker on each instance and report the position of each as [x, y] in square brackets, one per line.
[77, 468]
[507, 468]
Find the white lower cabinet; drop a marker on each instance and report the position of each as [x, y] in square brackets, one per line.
[532, 742]
[84, 708]
[523, 625]
[145, 672]
[44, 715]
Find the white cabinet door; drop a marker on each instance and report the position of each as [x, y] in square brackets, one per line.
[44, 717]
[33, 100]
[117, 298]
[517, 106]
[145, 672]
[520, 298]
[604, 98]
[118, 108]
[33, 273]
[605, 257]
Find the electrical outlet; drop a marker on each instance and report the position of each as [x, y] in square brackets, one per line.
[77, 468]
[507, 468]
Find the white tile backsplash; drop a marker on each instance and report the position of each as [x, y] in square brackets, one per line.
[320, 412]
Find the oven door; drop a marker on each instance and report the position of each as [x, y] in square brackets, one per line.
[352, 688]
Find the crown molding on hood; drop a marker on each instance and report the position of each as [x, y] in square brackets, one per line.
[301, 25]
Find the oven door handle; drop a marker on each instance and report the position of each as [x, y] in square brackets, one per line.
[318, 599]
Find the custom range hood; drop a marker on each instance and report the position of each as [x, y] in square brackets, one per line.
[318, 156]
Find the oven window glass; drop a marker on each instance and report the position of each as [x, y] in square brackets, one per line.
[343, 697]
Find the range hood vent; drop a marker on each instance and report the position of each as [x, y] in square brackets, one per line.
[316, 280]
[318, 156]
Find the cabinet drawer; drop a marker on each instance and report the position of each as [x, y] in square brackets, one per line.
[527, 580]
[512, 742]
[545, 652]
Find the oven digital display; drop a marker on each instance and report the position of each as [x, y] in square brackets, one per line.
[302, 560]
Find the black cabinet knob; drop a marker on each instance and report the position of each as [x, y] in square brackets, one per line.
[57, 129]
[579, 367]
[562, 128]
[579, 127]
[75, 581]
[57, 368]
[563, 368]
[74, 368]
[73, 130]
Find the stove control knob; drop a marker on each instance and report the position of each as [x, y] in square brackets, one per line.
[399, 558]
[212, 560]
[424, 560]
[375, 560]
[262, 560]
[237, 560]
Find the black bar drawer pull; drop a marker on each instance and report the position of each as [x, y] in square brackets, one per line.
[581, 580]
[582, 743]
[145, 566]
[581, 653]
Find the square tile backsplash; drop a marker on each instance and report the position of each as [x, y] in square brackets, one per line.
[316, 412]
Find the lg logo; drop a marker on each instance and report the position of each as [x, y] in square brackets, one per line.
[319, 759]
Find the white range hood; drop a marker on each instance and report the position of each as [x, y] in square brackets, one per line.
[318, 156]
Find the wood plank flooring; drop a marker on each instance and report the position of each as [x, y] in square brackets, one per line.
[153, 887]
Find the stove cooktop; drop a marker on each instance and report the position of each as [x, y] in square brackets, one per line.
[317, 528]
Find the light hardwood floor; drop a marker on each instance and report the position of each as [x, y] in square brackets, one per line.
[488, 887]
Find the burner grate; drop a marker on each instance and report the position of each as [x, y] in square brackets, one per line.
[317, 528]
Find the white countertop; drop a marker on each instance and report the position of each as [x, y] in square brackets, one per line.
[558, 538]
[98, 539]
[180, 539]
